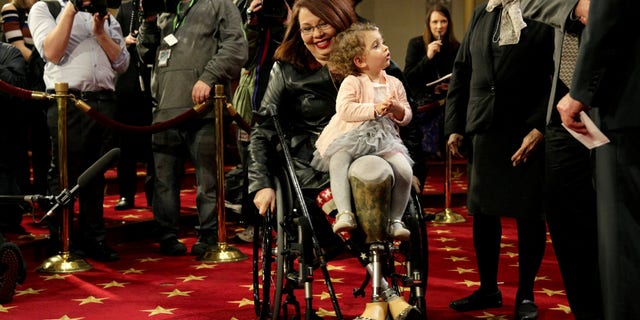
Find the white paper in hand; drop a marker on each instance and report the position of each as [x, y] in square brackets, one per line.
[594, 138]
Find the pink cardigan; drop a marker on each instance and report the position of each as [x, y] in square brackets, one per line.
[354, 105]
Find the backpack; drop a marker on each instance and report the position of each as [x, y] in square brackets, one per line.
[35, 64]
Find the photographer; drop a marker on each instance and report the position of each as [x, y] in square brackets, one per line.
[84, 47]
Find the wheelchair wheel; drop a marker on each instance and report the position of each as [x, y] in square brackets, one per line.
[410, 260]
[268, 261]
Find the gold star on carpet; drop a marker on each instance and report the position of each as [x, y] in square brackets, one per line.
[28, 291]
[463, 270]
[325, 313]
[469, 283]
[440, 231]
[510, 254]
[551, 293]
[90, 299]
[489, 316]
[132, 270]
[149, 259]
[332, 267]
[131, 216]
[540, 278]
[159, 310]
[66, 317]
[54, 277]
[447, 248]
[191, 278]
[443, 239]
[507, 245]
[456, 259]
[177, 293]
[363, 256]
[4, 309]
[204, 266]
[325, 295]
[562, 307]
[112, 284]
[249, 286]
[333, 280]
[243, 302]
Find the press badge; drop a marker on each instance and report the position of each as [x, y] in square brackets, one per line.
[171, 40]
[163, 57]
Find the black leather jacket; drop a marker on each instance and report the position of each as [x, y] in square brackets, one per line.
[305, 101]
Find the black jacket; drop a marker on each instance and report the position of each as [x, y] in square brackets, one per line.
[305, 101]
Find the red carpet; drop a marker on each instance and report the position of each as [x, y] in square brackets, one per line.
[146, 285]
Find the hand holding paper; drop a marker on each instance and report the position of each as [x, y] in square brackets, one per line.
[594, 137]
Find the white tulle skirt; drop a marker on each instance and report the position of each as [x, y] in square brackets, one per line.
[372, 137]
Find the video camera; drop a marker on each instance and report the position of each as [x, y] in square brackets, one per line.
[99, 6]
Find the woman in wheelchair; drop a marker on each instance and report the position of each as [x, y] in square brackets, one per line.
[369, 107]
[300, 97]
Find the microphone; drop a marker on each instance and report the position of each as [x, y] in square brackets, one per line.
[98, 167]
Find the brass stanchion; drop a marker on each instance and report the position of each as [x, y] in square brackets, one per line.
[223, 252]
[448, 215]
[64, 262]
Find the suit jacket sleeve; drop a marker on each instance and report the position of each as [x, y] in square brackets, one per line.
[555, 13]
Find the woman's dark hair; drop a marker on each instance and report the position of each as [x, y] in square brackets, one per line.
[338, 13]
[449, 40]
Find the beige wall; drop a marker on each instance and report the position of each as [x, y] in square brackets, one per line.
[401, 20]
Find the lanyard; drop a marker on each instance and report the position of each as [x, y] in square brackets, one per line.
[177, 20]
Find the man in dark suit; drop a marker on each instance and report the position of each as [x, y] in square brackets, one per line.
[605, 83]
[569, 190]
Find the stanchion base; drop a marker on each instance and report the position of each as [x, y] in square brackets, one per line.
[448, 216]
[222, 253]
[64, 263]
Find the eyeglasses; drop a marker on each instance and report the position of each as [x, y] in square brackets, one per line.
[308, 30]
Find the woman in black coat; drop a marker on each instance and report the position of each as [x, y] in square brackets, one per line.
[429, 57]
[497, 100]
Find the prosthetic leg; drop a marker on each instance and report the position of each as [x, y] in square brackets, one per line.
[371, 179]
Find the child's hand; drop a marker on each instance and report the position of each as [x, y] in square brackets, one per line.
[384, 107]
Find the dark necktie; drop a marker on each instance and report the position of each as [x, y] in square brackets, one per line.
[568, 58]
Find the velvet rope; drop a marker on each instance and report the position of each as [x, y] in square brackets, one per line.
[101, 118]
[15, 91]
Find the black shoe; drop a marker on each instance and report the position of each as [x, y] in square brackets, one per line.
[205, 241]
[98, 251]
[172, 247]
[477, 301]
[526, 310]
[12, 270]
[124, 204]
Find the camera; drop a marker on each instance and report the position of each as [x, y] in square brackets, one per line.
[99, 6]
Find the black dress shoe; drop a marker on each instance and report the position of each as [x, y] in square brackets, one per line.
[98, 251]
[477, 301]
[526, 310]
[124, 204]
[172, 247]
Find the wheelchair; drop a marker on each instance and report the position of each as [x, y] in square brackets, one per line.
[286, 252]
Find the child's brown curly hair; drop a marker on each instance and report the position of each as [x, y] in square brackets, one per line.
[349, 44]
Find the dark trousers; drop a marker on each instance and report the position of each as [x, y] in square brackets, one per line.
[134, 109]
[86, 142]
[572, 221]
[618, 188]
